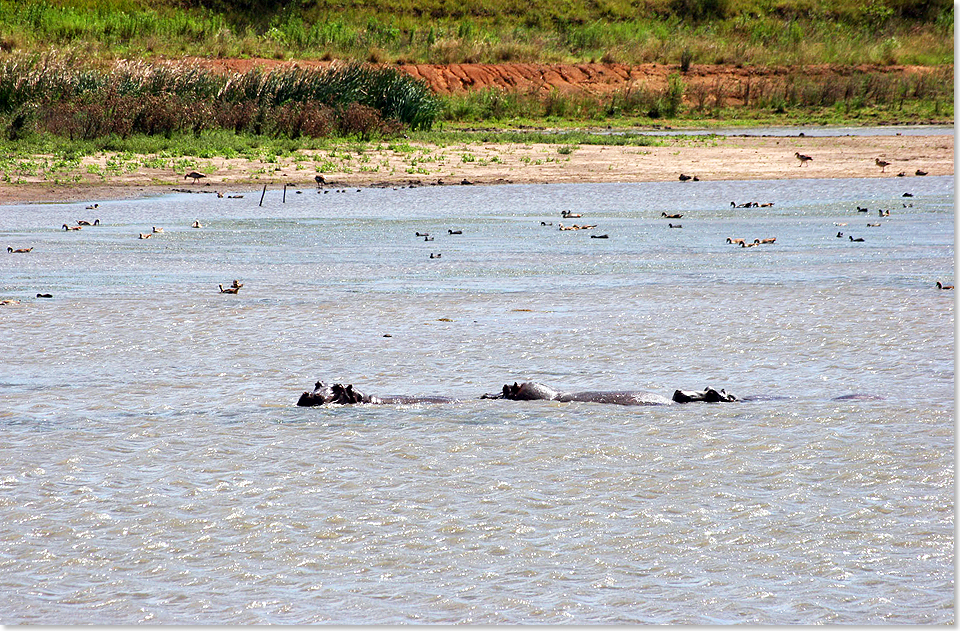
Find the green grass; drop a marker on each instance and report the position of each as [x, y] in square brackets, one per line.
[441, 31]
[61, 83]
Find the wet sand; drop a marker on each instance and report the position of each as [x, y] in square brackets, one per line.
[707, 158]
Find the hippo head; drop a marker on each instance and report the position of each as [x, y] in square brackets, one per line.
[709, 395]
[321, 394]
[336, 393]
[528, 391]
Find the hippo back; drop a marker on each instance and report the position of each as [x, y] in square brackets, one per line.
[618, 397]
[402, 399]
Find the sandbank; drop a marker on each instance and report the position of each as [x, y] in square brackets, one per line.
[706, 157]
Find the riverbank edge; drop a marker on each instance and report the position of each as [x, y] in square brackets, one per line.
[703, 157]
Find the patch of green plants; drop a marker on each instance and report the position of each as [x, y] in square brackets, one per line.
[493, 31]
[58, 95]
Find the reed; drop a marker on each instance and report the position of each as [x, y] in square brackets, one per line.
[54, 94]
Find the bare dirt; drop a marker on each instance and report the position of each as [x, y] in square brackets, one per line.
[702, 81]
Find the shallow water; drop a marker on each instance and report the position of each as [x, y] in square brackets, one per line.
[811, 131]
[154, 467]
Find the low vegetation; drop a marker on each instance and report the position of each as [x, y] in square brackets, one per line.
[750, 32]
[57, 95]
[95, 75]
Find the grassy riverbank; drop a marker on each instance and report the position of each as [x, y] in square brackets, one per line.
[129, 106]
[82, 77]
[750, 32]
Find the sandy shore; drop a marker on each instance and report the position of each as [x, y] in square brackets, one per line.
[41, 179]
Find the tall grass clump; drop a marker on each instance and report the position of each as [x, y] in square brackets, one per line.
[54, 94]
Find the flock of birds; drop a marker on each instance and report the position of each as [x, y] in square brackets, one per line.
[805, 160]
[82, 223]
[234, 288]
[429, 237]
[883, 164]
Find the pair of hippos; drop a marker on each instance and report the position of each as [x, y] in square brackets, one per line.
[526, 391]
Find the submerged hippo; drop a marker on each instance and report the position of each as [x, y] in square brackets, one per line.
[344, 395]
[338, 393]
[532, 391]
